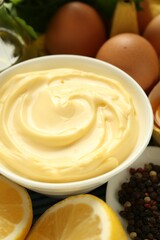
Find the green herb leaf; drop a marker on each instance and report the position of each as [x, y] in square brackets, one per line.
[15, 2]
[27, 27]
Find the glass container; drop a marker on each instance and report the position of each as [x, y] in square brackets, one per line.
[14, 40]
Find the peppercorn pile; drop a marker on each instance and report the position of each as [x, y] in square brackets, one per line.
[140, 198]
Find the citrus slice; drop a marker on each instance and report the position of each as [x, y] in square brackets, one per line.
[16, 212]
[81, 217]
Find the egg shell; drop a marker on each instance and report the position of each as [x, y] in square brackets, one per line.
[154, 98]
[133, 54]
[152, 33]
[76, 28]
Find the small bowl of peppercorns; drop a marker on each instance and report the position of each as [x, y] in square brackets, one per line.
[134, 194]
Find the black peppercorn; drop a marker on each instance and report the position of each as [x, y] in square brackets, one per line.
[153, 195]
[140, 197]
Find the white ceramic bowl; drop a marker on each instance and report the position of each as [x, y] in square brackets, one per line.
[150, 155]
[141, 103]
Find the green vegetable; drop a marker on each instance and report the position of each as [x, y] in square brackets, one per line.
[37, 13]
[28, 28]
[34, 15]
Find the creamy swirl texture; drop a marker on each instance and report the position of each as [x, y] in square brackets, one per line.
[65, 125]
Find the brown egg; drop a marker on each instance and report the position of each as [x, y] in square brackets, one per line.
[154, 97]
[76, 28]
[133, 54]
[152, 33]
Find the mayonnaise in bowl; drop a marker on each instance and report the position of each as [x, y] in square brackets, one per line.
[65, 124]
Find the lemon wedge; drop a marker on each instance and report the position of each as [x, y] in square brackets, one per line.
[80, 217]
[16, 212]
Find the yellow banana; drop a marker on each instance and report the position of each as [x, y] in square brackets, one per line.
[36, 49]
[124, 18]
